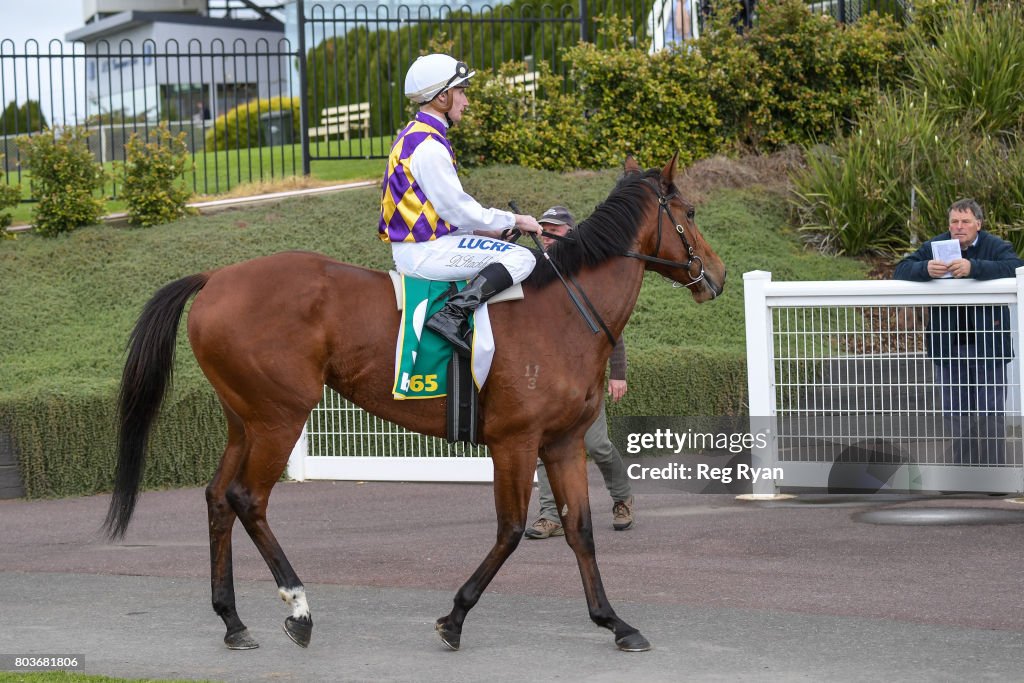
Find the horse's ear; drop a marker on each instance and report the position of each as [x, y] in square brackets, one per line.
[631, 166]
[668, 174]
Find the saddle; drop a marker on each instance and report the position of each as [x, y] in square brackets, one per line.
[511, 294]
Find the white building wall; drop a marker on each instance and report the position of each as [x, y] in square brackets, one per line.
[146, 68]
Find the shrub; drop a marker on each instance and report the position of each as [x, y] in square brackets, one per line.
[153, 187]
[973, 67]
[647, 106]
[795, 76]
[856, 196]
[66, 179]
[627, 103]
[239, 128]
[66, 440]
[10, 195]
[506, 125]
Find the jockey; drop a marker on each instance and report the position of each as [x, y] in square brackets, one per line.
[436, 230]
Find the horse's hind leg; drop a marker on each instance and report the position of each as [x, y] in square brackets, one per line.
[222, 519]
[513, 482]
[249, 495]
[567, 471]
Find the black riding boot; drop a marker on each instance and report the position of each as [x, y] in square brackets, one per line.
[452, 321]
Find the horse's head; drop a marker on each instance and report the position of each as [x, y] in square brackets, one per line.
[669, 240]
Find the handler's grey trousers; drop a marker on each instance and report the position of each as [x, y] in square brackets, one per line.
[604, 454]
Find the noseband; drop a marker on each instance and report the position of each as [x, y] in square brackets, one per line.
[663, 209]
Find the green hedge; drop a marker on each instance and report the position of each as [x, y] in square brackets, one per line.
[684, 381]
[65, 441]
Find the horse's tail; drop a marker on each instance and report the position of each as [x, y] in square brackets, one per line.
[147, 374]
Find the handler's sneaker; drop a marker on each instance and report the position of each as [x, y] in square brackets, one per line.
[544, 528]
[622, 514]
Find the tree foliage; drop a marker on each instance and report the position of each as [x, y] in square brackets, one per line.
[18, 120]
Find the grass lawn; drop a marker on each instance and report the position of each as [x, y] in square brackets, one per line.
[65, 677]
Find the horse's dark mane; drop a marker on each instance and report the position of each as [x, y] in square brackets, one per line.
[609, 231]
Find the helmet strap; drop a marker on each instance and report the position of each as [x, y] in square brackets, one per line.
[443, 105]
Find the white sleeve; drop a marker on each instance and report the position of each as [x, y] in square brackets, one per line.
[433, 170]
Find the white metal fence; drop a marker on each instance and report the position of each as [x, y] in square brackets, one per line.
[857, 392]
[342, 441]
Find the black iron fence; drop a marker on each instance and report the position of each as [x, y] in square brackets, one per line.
[116, 90]
[258, 109]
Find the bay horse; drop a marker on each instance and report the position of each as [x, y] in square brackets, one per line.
[269, 333]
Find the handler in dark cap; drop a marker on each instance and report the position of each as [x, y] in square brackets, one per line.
[559, 221]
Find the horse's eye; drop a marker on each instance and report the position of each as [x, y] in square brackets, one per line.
[690, 213]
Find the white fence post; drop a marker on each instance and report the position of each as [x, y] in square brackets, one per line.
[1017, 401]
[760, 381]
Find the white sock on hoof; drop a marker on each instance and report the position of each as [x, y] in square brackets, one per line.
[296, 597]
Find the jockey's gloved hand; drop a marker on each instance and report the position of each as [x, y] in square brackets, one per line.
[527, 224]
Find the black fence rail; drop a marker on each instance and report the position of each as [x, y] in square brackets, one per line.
[849, 11]
[254, 110]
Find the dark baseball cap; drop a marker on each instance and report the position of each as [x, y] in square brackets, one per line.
[558, 215]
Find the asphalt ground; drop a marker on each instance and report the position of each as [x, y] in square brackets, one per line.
[818, 588]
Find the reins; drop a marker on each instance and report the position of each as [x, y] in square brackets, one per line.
[572, 295]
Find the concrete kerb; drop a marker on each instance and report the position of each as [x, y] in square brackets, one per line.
[215, 205]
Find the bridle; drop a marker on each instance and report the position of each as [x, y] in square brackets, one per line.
[664, 210]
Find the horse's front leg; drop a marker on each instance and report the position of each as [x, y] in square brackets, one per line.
[513, 482]
[567, 471]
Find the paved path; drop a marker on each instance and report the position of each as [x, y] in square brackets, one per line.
[725, 590]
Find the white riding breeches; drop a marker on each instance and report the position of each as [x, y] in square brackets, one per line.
[461, 256]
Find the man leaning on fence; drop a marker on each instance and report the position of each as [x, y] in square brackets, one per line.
[969, 345]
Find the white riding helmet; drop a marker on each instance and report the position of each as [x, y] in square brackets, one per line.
[431, 75]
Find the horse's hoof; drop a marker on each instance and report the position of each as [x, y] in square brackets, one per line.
[448, 637]
[299, 630]
[634, 642]
[240, 640]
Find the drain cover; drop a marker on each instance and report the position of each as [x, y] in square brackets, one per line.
[940, 516]
[839, 501]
